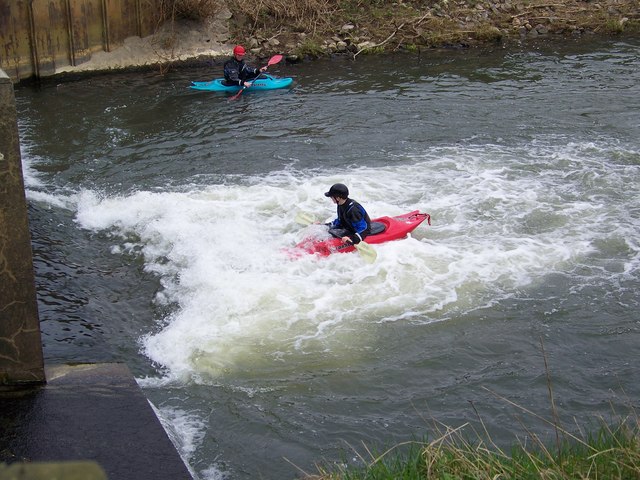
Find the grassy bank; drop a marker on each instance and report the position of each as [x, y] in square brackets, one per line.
[612, 452]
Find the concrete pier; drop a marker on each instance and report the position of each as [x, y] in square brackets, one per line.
[91, 412]
[62, 421]
[21, 360]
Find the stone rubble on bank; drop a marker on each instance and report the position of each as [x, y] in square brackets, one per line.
[472, 23]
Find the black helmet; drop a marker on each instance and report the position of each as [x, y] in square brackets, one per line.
[338, 190]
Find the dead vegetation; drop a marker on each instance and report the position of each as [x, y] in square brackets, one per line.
[315, 27]
[190, 9]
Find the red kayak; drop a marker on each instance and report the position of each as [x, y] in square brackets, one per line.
[383, 229]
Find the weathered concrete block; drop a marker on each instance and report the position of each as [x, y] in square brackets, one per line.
[21, 359]
[91, 412]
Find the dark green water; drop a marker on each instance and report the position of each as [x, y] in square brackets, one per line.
[159, 217]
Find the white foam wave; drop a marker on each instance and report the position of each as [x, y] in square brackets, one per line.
[186, 430]
[503, 218]
[35, 189]
[29, 174]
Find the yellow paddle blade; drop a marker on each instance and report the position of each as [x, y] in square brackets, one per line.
[305, 218]
[367, 252]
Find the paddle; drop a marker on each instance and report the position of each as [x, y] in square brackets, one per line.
[305, 218]
[272, 61]
[366, 251]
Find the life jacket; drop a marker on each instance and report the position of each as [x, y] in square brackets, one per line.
[354, 219]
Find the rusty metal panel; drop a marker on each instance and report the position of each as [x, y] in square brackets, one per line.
[150, 16]
[37, 37]
[122, 20]
[86, 29]
[51, 34]
[15, 47]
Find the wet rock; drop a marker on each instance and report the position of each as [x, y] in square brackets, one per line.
[365, 45]
[541, 29]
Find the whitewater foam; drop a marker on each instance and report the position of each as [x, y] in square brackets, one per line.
[499, 224]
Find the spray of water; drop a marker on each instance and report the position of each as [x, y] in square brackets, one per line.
[503, 218]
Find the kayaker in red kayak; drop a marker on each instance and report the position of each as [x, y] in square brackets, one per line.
[236, 72]
[353, 223]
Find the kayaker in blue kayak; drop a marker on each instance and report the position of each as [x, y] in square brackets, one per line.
[236, 72]
[353, 223]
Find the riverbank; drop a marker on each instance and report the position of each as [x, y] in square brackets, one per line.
[613, 451]
[353, 28]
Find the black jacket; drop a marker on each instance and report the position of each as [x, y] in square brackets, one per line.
[236, 72]
[353, 219]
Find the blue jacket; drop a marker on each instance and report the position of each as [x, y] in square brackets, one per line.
[352, 218]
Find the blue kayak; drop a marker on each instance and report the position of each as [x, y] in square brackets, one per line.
[263, 82]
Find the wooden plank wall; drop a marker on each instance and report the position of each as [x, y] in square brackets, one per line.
[38, 36]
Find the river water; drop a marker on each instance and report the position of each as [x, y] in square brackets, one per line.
[160, 219]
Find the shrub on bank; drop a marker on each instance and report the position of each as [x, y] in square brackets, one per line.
[319, 27]
[191, 9]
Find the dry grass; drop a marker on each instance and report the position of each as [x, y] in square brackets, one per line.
[190, 9]
[406, 24]
[409, 24]
[308, 16]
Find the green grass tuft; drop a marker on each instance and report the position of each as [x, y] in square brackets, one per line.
[611, 453]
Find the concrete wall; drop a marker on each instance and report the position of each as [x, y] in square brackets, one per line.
[21, 359]
[39, 36]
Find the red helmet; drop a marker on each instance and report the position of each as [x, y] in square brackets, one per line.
[239, 50]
